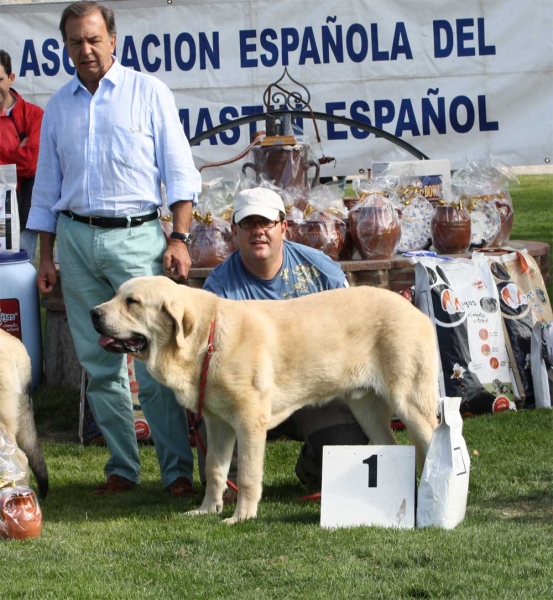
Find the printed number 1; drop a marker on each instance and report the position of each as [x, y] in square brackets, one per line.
[372, 463]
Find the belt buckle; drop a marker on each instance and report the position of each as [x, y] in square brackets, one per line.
[91, 224]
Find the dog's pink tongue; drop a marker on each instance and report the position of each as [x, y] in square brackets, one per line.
[105, 340]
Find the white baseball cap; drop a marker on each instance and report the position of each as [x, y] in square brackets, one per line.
[257, 201]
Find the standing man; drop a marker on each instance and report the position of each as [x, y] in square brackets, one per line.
[19, 141]
[109, 138]
[267, 267]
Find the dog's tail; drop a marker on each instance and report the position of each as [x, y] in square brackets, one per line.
[27, 441]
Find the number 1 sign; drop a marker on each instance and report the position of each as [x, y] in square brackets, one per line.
[368, 485]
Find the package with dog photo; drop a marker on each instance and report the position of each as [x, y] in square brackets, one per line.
[461, 298]
[9, 212]
[443, 488]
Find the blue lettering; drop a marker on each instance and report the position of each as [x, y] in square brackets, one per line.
[266, 44]
[464, 36]
[377, 54]
[406, 120]
[384, 112]
[332, 134]
[400, 44]
[227, 114]
[167, 51]
[183, 65]
[129, 56]
[208, 51]
[357, 110]
[29, 60]
[252, 110]
[150, 40]
[309, 48]
[246, 48]
[204, 124]
[483, 50]
[457, 102]
[355, 56]
[442, 51]
[290, 42]
[483, 123]
[429, 114]
[184, 117]
[332, 44]
[67, 65]
[47, 50]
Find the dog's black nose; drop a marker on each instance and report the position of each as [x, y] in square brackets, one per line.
[95, 315]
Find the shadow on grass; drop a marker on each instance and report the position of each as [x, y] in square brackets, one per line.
[536, 507]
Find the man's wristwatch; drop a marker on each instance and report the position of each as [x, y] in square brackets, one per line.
[186, 238]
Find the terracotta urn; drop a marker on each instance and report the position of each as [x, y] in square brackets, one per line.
[375, 230]
[450, 229]
[327, 235]
[20, 514]
[211, 244]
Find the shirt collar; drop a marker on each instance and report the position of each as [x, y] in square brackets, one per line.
[114, 74]
[13, 94]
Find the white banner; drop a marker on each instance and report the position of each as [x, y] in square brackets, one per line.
[457, 80]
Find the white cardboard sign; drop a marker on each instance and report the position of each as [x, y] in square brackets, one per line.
[368, 485]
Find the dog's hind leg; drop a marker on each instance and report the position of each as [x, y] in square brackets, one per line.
[251, 453]
[221, 438]
[373, 414]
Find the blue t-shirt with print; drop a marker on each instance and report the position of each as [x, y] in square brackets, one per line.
[304, 271]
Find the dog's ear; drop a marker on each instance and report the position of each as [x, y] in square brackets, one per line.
[183, 320]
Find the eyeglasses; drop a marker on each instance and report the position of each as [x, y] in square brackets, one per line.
[265, 224]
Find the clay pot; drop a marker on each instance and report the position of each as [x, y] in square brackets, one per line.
[507, 216]
[348, 248]
[375, 230]
[292, 233]
[286, 166]
[211, 244]
[20, 514]
[327, 235]
[450, 227]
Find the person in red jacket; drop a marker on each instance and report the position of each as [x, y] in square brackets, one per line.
[20, 123]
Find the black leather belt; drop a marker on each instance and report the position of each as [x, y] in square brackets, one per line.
[110, 222]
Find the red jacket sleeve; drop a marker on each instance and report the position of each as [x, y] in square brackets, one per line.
[28, 119]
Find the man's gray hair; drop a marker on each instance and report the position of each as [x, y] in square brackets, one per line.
[85, 8]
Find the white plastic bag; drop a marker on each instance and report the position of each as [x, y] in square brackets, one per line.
[542, 363]
[444, 485]
[9, 211]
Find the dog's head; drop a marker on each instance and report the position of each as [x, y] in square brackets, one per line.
[145, 315]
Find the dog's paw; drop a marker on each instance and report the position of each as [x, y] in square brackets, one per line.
[203, 511]
[238, 517]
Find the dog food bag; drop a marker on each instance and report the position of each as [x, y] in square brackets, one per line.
[523, 302]
[444, 485]
[461, 298]
[541, 356]
[20, 513]
[9, 211]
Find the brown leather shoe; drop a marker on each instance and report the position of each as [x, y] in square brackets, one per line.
[115, 484]
[181, 488]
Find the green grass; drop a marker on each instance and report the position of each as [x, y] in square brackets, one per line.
[140, 545]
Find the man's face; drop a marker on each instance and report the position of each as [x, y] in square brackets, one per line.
[5, 83]
[260, 245]
[89, 47]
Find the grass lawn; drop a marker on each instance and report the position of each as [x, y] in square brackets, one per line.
[139, 545]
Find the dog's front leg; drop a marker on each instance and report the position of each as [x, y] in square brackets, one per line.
[251, 452]
[220, 439]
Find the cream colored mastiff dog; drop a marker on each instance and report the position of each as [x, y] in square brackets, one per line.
[16, 410]
[369, 345]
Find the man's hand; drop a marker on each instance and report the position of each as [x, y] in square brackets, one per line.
[46, 277]
[176, 260]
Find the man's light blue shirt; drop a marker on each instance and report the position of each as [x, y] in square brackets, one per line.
[106, 154]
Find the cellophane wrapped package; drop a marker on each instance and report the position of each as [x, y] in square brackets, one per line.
[461, 298]
[212, 239]
[523, 302]
[324, 226]
[415, 214]
[9, 211]
[374, 221]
